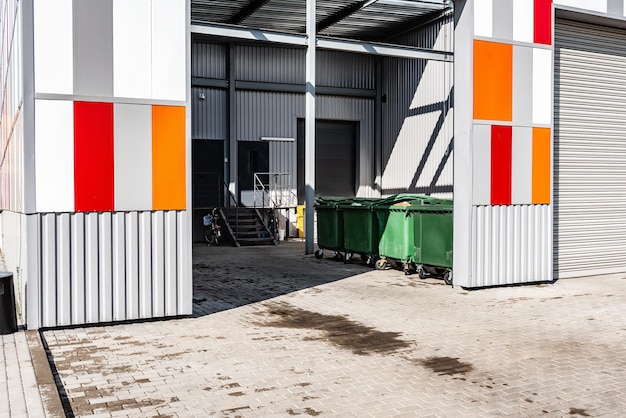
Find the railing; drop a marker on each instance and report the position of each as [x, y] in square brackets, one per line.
[274, 190]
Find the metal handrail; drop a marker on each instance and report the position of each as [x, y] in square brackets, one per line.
[276, 192]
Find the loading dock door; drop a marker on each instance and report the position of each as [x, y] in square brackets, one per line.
[335, 158]
[590, 150]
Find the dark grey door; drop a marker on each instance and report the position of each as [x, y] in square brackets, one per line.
[335, 158]
[254, 157]
[207, 168]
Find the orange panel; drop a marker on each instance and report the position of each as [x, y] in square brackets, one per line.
[493, 81]
[169, 186]
[541, 166]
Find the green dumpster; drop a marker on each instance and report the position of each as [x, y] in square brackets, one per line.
[329, 225]
[360, 227]
[433, 237]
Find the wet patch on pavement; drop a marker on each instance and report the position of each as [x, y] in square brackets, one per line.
[338, 330]
[446, 366]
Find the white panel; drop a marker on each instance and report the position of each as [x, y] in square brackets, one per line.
[168, 50]
[542, 86]
[522, 165]
[185, 279]
[481, 165]
[524, 20]
[119, 267]
[54, 65]
[91, 268]
[54, 155]
[590, 150]
[595, 5]
[483, 18]
[63, 257]
[105, 264]
[158, 264]
[132, 265]
[145, 265]
[511, 244]
[48, 271]
[171, 261]
[78, 268]
[132, 49]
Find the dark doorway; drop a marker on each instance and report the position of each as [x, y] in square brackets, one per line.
[335, 158]
[254, 157]
[208, 169]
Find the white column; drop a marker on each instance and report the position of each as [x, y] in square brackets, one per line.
[309, 138]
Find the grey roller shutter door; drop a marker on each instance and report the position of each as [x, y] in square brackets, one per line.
[590, 150]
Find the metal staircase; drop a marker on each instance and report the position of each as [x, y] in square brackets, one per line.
[246, 226]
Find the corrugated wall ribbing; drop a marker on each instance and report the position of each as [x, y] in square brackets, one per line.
[101, 267]
[12, 132]
[276, 114]
[209, 116]
[511, 244]
[427, 36]
[286, 65]
[208, 60]
[418, 118]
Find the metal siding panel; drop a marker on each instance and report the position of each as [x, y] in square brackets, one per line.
[63, 273]
[93, 47]
[54, 156]
[269, 64]
[158, 264]
[132, 264]
[48, 271]
[522, 85]
[78, 268]
[481, 165]
[53, 43]
[145, 265]
[105, 264]
[511, 245]
[594, 5]
[185, 278]
[503, 24]
[522, 163]
[208, 60]
[170, 262]
[523, 24]
[132, 46]
[119, 266]
[169, 60]
[542, 86]
[590, 150]
[209, 116]
[91, 268]
[340, 69]
[133, 157]
[483, 18]
[417, 120]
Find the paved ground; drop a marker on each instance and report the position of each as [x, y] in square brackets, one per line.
[277, 333]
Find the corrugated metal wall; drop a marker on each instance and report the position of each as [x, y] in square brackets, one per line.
[209, 116]
[208, 60]
[101, 267]
[417, 117]
[12, 122]
[511, 244]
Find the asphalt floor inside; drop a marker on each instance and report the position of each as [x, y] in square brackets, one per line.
[276, 333]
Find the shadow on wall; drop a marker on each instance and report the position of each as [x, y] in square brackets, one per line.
[418, 120]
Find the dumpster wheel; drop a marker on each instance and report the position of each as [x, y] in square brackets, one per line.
[382, 264]
[347, 258]
[447, 277]
[338, 256]
[420, 272]
[319, 253]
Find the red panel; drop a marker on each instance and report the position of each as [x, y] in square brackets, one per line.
[501, 163]
[93, 157]
[543, 22]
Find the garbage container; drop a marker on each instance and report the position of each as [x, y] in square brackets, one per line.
[8, 319]
[361, 226]
[433, 237]
[329, 225]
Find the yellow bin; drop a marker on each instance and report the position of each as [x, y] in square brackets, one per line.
[300, 209]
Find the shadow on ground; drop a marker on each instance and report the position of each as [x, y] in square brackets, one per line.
[226, 277]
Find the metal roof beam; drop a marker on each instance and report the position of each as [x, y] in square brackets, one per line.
[246, 11]
[373, 48]
[342, 14]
